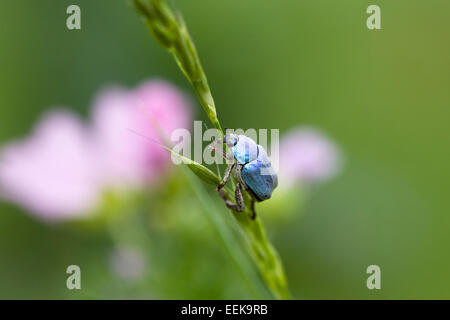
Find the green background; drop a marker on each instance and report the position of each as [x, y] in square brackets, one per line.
[382, 95]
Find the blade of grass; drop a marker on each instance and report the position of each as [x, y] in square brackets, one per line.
[170, 31]
[230, 237]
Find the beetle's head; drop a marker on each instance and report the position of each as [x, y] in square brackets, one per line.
[231, 139]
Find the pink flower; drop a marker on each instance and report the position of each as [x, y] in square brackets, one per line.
[61, 170]
[53, 172]
[306, 155]
[126, 122]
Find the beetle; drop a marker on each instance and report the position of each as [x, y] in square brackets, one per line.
[253, 172]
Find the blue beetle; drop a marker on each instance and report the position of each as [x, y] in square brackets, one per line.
[252, 170]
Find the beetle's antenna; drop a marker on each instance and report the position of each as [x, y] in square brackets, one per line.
[213, 146]
[213, 143]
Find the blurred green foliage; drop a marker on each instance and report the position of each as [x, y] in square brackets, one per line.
[383, 95]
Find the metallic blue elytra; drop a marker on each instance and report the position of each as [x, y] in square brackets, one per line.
[256, 171]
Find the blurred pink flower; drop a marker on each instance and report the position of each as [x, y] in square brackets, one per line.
[60, 171]
[126, 122]
[306, 156]
[53, 172]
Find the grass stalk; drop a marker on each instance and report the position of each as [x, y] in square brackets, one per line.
[169, 29]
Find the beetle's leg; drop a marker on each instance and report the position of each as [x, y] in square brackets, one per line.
[239, 198]
[253, 209]
[225, 177]
[239, 205]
